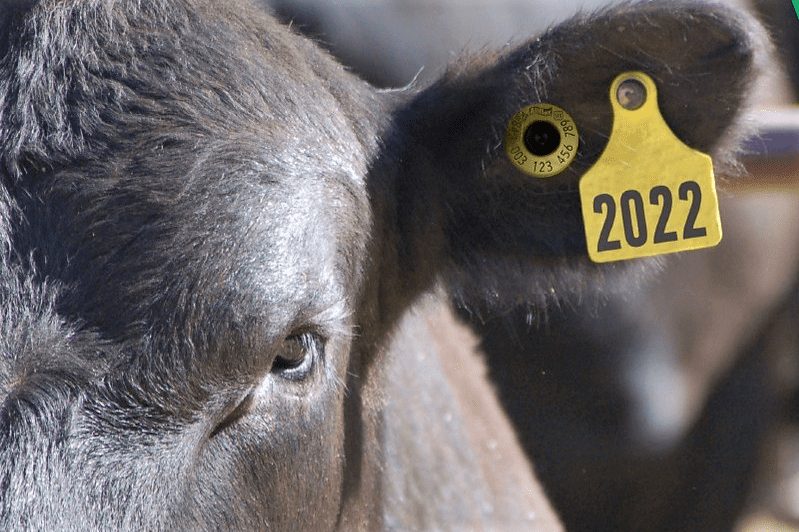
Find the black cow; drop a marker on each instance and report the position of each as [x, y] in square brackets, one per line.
[215, 246]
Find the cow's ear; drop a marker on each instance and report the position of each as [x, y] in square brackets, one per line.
[510, 238]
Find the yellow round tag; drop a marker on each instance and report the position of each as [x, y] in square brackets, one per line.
[541, 140]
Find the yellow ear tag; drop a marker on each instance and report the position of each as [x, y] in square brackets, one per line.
[541, 140]
[648, 194]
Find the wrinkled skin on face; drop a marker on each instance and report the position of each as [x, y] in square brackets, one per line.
[213, 237]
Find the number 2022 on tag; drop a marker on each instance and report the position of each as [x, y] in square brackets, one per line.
[648, 194]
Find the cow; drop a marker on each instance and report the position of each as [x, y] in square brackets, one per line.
[225, 260]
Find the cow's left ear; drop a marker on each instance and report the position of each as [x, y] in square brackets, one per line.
[511, 238]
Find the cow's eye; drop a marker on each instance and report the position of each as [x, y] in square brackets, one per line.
[299, 356]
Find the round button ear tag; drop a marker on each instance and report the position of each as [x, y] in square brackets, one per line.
[541, 140]
[648, 194]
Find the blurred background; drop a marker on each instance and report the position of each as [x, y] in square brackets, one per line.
[674, 406]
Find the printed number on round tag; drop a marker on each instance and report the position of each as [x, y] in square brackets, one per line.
[541, 140]
[648, 194]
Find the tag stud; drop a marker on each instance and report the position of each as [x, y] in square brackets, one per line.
[631, 94]
[541, 140]
[648, 193]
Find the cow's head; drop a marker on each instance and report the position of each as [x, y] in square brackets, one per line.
[208, 230]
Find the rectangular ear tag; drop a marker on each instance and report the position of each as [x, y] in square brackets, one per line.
[648, 194]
